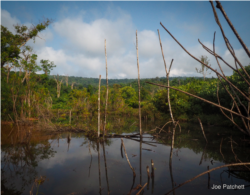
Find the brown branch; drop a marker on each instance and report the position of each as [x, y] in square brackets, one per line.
[203, 153]
[202, 129]
[232, 96]
[164, 126]
[179, 125]
[235, 156]
[127, 158]
[235, 103]
[217, 56]
[200, 99]
[248, 108]
[72, 85]
[106, 170]
[142, 188]
[219, 6]
[106, 104]
[167, 75]
[228, 165]
[220, 148]
[207, 65]
[100, 184]
[99, 124]
[226, 40]
[139, 96]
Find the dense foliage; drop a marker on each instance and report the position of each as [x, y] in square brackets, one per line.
[26, 94]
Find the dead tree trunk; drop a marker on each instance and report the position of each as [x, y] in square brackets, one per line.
[167, 75]
[240, 70]
[67, 80]
[248, 109]
[106, 104]
[8, 71]
[202, 129]
[106, 169]
[29, 102]
[70, 117]
[99, 106]
[72, 85]
[100, 185]
[14, 98]
[21, 114]
[139, 97]
[127, 158]
[59, 83]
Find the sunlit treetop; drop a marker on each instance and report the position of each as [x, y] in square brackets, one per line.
[11, 44]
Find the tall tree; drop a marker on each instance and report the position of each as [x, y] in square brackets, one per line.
[11, 43]
[107, 92]
[204, 70]
[47, 66]
[139, 98]
[29, 65]
[59, 83]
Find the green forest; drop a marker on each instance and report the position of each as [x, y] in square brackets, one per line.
[73, 101]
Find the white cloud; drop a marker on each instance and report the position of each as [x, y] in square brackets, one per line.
[240, 54]
[40, 41]
[89, 37]
[81, 49]
[8, 21]
[148, 44]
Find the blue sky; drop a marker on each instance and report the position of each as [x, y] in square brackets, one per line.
[75, 40]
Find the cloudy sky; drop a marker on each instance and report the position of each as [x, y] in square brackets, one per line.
[75, 40]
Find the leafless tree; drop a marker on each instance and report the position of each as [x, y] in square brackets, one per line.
[72, 85]
[107, 92]
[139, 98]
[67, 80]
[203, 70]
[236, 94]
[59, 83]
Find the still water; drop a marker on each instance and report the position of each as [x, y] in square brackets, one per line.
[84, 166]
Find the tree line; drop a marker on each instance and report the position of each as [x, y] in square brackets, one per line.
[26, 94]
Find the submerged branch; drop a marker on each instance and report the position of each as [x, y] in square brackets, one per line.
[127, 158]
[201, 99]
[228, 165]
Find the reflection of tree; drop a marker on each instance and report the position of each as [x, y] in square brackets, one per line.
[11, 189]
[92, 143]
[194, 141]
[106, 170]
[19, 163]
[100, 184]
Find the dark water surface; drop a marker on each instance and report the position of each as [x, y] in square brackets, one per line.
[71, 166]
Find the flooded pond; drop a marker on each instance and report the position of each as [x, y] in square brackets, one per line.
[69, 163]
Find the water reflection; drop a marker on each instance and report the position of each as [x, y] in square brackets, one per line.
[20, 159]
[75, 164]
[106, 171]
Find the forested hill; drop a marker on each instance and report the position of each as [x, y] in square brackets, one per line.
[84, 81]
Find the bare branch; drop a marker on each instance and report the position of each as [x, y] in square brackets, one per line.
[127, 157]
[228, 165]
[202, 129]
[219, 6]
[107, 92]
[207, 65]
[139, 96]
[231, 119]
[201, 99]
[226, 40]
[217, 56]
